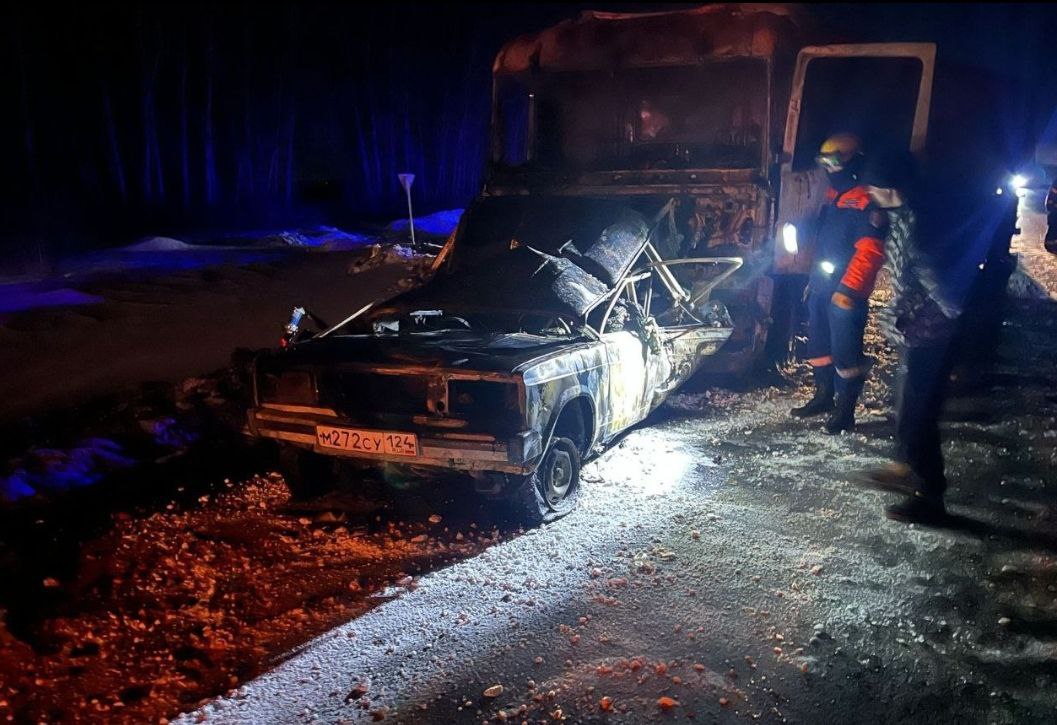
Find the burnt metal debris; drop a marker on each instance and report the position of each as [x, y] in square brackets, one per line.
[637, 161]
[519, 358]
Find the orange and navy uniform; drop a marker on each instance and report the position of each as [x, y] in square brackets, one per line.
[851, 235]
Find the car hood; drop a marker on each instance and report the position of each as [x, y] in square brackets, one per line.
[494, 353]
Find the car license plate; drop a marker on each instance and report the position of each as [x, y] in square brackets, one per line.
[374, 442]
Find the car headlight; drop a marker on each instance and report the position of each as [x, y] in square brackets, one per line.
[1018, 181]
[828, 267]
[789, 241]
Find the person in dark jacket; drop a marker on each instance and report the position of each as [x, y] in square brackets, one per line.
[849, 251]
[1051, 218]
[921, 320]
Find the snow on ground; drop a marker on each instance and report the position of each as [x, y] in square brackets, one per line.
[161, 310]
[439, 224]
[720, 566]
[25, 296]
[164, 309]
[1036, 274]
[159, 244]
[162, 255]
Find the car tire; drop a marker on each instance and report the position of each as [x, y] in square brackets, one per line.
[552, 490]
[306, 473]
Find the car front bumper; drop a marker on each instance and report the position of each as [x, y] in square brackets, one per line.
[295, 424]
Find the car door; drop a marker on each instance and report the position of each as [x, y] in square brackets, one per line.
[880, 91]
[690, 325]
[629, 357]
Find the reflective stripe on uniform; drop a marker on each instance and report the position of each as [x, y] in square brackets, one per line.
[856, 372]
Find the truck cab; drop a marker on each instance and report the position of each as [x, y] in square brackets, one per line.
[707, 121]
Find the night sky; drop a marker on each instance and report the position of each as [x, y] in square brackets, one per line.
[180, 118]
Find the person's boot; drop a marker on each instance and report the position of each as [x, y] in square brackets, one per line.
[822, 401]
[918, 509]
[843, 416]
[896, 477]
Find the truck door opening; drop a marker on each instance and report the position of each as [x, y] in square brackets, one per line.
[874, 98]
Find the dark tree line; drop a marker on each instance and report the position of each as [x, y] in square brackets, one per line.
[125, 119]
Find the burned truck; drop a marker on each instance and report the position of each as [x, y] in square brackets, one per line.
[708, 121]
[551, 325]
[647, 213]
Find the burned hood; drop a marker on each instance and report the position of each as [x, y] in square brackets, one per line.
[525, 279]
[549, 254]
[491, 353]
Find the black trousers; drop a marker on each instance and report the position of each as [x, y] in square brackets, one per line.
[836, 333]
[924, 374]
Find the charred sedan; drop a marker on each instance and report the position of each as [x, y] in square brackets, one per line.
[551, 325]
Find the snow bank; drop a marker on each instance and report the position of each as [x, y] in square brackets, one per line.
[330, 239]
[441, 223]
[141, 430]
[161, 254]
[49, 470]
[158, 244]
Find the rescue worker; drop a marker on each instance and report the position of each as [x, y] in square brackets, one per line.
[1051, 218]
[849, 251]
[921, 320]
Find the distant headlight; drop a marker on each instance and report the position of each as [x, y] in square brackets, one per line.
[789, 238]
[828, 267]
[1018, 181]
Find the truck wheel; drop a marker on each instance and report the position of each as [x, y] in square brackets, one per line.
[306, 473]
[550, 492]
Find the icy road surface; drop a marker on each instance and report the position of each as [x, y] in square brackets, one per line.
[721, 566]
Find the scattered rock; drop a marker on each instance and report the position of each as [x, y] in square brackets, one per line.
[667, 703]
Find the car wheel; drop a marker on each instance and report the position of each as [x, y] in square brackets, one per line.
[550, 492]
[306, 473]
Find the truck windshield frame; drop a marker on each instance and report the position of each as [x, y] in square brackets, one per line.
[714, 115]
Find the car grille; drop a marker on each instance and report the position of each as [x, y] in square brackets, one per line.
[288, 388]
[365, 393]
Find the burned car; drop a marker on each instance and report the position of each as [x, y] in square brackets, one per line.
[551, 325]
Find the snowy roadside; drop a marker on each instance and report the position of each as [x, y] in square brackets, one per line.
[720, 567]
[1036, 273]
[159, 256]
[131, 367]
